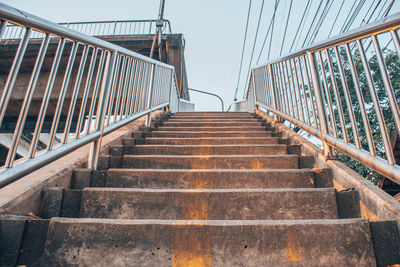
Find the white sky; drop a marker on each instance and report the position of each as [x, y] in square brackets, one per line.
[213, 30]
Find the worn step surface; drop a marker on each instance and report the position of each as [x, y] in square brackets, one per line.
[212, 123]
[211, 140]
[210, 149]
[110, 242]
[209, 134]
[209, 204]
[209, 189]
[211, 162]
[208, 179]
[213, 128]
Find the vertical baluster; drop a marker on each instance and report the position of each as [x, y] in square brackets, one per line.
[113, 89]
[86, 93]
[296, 78]
[310, 91]
[304, 91]
[388, 85]
[102, 108]
[328, 97]
[75, 93]
[328, 151]
[360, 99]
[27, 101]
[12, 75]
[337, 98]
[61, 97]
[378, 110]
[46, 98]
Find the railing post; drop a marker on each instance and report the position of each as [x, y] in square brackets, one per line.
[103, 106]
[170, 89]
[272, 86]
[150, 97]
[254, 91]
[328, 150]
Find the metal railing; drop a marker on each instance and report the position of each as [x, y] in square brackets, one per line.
[114, 85]
[99, 28]
[344, 91]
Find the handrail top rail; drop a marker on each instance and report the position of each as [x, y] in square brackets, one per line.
[358, 33]
[112, 21]
[108, 21]
[21, 17]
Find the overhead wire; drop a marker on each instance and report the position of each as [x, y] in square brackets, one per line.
[269, 28]
[336, 18]
[312, 23]
[321, 21]
[287, 22]
[300, 24]
[244, 44]
[254, 43]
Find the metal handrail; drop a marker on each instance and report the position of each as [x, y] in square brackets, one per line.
[101, 28]
[115, 86]
[322, 89]
[208, 93]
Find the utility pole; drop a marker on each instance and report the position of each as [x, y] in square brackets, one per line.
[158, 35]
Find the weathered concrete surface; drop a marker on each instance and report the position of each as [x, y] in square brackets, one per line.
[210, 150]
[24, 195]
[375, 204]
[207, 179]
[211, 162]
[211, 141]
[106, 242]
[211, 123]
[213, 128]
[209, 134]
[209, 204]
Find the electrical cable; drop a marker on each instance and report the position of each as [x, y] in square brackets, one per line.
[312, 23]
[254, 43]
[300, 24]
[287, 22]
[320, 22]
[244, 44]
[337, 16]
[269, 28]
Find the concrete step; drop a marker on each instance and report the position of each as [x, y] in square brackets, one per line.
[209, 204]
[215, 128]
[209, 150]
[211, 162]
[171, 123]
[215, 114]
[111, 242]
[212, 140]
[222, 120]
[208, 179]
[208, 134]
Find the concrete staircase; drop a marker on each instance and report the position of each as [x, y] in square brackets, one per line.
[208, 189]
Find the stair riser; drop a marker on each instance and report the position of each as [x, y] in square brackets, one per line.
[215, 141]
[213, 121]
[212, 124]
[211, 162]
[148, 243]
[208, 134]
[208, 179]
[215, 129]
[231, 205]
[211, 150]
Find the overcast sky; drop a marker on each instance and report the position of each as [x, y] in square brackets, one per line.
[213, 30]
